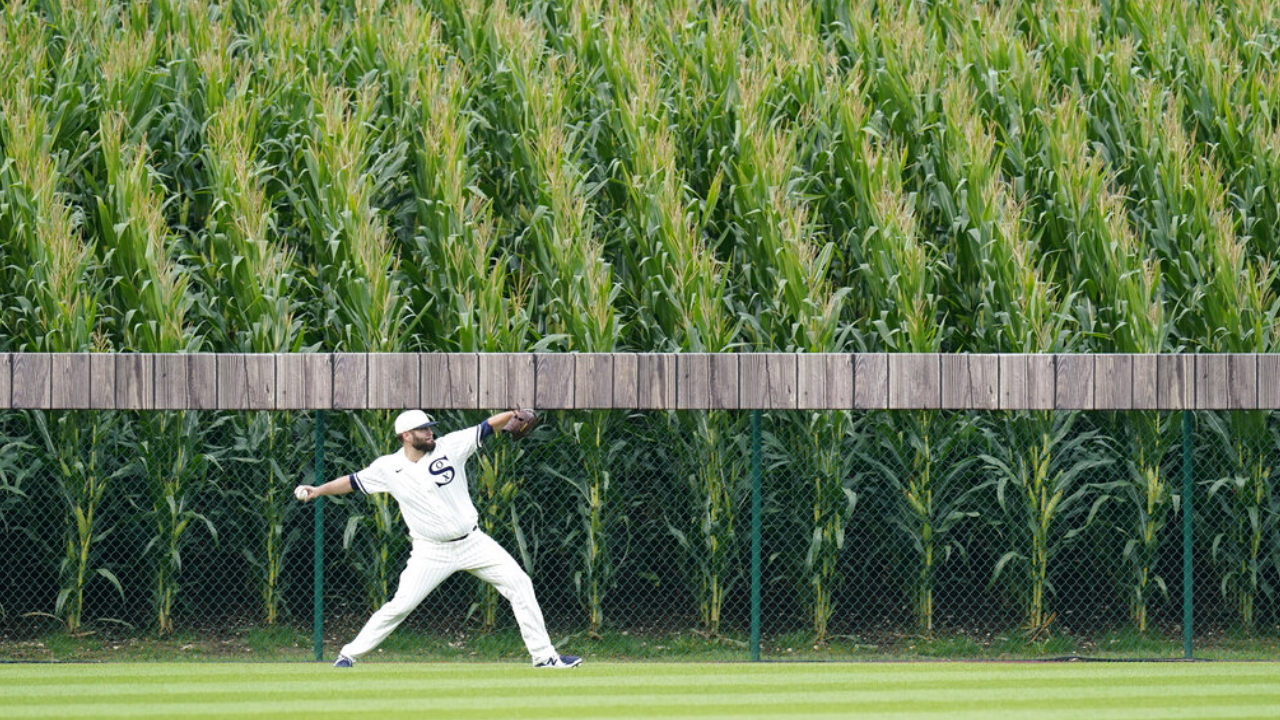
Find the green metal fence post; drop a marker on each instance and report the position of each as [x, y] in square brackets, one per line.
[756, 473]
[317, 621]
[1188, 600]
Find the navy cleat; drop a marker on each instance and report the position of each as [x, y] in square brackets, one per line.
[344, 661]
[560, 662]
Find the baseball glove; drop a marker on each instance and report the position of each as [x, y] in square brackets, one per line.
[521, 424]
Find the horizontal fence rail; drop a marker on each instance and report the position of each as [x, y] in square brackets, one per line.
[638, 381]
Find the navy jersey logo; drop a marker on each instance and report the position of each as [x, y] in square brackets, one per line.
[442, 470]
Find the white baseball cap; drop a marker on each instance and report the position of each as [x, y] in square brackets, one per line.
[412, 420]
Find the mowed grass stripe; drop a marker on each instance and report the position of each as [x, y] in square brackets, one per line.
[497, 676]
[644, 691]
[956, 690]
[758, 705]
[688, 695]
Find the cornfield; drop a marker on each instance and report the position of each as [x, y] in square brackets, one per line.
[943, 176]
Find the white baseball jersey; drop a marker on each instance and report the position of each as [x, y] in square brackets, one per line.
[433, 494]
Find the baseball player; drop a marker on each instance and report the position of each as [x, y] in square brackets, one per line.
[428, 478]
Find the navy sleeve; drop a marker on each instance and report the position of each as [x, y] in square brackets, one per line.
[355, 484]
[485, 430]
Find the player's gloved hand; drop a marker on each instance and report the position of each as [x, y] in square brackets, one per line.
[522, 423]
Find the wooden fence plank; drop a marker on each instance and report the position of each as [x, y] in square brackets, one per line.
[202, 381]
[871, 381]
[811, 381]
[1113, 382]
[71, 381]
[840, 380]
[1074, 382]
[135, 381]
[261, 381]
[494, 379]
[782, 369]
[752, 369]
[722, 374]
[508, 380]
[292, 381]
[593, 381]
[1144, 382]
[523, 384]
[1242, 382]
[693, 381]
[1015, 381]
[233, 382]
[32, 381]
[1212, 373]
[626, 381]
[656, 378]
[1268, 382]
[102, 381]
[970, 382]
[555, 381]
[915, 381]
[318, 369]
[394, 382]
[957, 385]
[1042, 382]
[450, 381]
[350, 381]
[768, 380]
[171, 381]
[824, 381]
[984, 379]
[6, 381]
[1175, 382]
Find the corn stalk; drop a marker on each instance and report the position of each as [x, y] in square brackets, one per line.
[345, 165]
[344, 168]
[1240, 312]
[1251, 510]
[917, 456]
[571, 282]
[714, 470]
[680, 286]
[1042, 469]
[54, 286]
[786, 298]
[76, 446]
[1148, 494]
[910, 455]
[247, 262]
[152, 301]
[1112, 274]
[1041, 465]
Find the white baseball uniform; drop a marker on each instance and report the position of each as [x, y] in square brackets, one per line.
[436, 505]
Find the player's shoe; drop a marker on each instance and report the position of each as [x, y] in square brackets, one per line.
[344, 661]
[560, 662]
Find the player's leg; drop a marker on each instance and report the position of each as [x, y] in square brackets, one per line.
[487, 560]
[427, 567]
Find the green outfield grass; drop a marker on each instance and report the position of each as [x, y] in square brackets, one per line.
[904, 691]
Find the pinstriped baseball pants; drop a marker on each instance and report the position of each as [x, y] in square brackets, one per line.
[430, 563]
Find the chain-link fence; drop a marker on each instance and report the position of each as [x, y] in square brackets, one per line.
[662, 534]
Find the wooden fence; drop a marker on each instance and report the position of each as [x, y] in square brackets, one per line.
[747, 381]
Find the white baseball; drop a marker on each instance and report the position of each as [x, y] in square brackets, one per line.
[302, 492]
